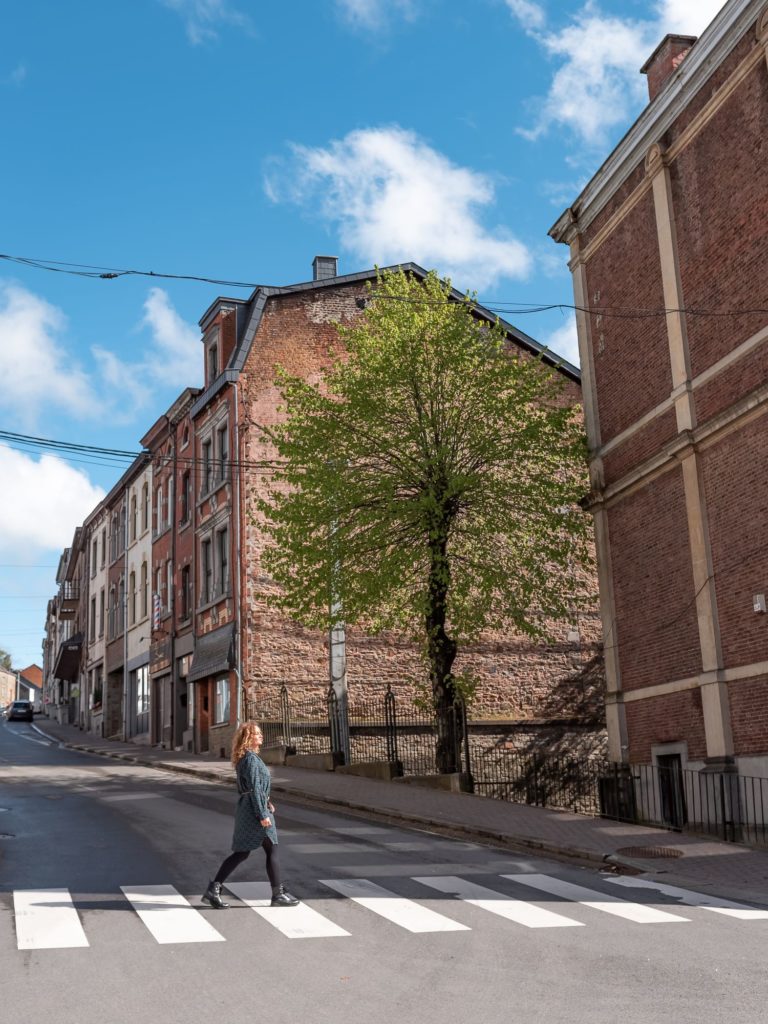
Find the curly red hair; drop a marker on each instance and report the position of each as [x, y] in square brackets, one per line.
[248, 737]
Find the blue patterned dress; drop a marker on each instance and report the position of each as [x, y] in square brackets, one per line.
[253, 785]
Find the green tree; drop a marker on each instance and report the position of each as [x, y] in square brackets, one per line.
[6, 661]
[429, 483]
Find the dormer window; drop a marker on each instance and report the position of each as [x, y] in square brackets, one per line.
[212, 356]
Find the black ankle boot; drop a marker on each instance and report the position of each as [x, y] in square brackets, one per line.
[282, 898]
[212, 895]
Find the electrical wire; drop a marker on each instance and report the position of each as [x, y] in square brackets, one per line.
[498, 306]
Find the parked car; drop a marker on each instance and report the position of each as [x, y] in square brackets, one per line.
[21, 709]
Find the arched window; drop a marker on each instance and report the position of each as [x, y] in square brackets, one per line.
[144, 590]
[134, 517]
[132, 598]
[145, 507]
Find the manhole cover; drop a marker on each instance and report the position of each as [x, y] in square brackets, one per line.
[650, 851]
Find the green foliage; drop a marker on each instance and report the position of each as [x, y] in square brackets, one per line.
[430, 481]
[6, 661]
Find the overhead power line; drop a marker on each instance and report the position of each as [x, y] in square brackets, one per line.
[495, 306]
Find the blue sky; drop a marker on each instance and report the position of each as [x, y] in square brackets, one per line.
[238, 139]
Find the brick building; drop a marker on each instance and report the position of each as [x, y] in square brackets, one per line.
[676, 402]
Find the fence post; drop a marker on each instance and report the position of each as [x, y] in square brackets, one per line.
[390, 725]
[285, 714]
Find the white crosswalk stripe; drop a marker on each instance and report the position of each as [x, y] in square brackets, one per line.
[168, 915]
[696, 899]
[406, 913]
[497, 903]
[637, 912]
[300, 922]
[47, 919]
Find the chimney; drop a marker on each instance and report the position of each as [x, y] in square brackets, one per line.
[324, 267]
[664, 61]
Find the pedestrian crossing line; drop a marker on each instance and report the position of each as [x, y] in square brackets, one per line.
[301, 922]
[527, 914]
[404, 912]
[168, 915]
[637, 912]
[696, 899]
[46, 919]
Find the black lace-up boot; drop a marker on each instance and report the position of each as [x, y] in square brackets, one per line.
[282, 898]
[212, 895]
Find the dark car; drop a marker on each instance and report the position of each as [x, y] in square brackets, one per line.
[20, 709]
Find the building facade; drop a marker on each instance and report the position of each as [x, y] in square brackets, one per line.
[672, 228]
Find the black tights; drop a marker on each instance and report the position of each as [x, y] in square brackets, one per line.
[236, 858]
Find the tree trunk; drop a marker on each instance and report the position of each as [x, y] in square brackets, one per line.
[441, 651]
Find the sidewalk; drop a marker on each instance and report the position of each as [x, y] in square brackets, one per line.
[721, 869]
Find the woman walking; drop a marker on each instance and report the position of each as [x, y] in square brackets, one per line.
[254, 819]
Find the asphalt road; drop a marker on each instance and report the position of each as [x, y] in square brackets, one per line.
[401, 946]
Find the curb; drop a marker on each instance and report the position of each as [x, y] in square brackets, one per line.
[303, 797]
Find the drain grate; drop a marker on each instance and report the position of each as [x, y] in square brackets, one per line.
[650, 851]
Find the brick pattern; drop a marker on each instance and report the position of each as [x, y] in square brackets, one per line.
[735, 473]
[639, 446]
[667, 719]
[713, 220]
[657, 632]
[631, 356]
[749, 715]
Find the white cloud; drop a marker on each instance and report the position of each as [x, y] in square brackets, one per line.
[202, 18]
[39, 373]
[44, 501]
[394, 198]
[374, 14]
[565, 341]
[530, 15]
[35, 369]
[597, 86]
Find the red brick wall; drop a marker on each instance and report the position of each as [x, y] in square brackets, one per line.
[639, 446]
[720, 195]
[653, 585]
[735, 478]
[749, 715]
[729, 385]
[667, 719]
[631, 356]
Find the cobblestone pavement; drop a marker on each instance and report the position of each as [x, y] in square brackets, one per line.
[723, 869]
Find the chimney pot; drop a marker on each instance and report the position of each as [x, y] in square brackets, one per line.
[664, 61]
[324, 267]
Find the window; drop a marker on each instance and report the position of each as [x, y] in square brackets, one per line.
[222, 451]
[221, 704]
[101, 612]
[186, 506]
[206, 592]
[169, 585]
[132, 598]
[134, 517]
[145, 508]
[222, 559]
[111, 626]
[144, 590]
[120, 619]
[94, 556]
[159, 510]
[207, 467]
[159, 585]
[186, 610]
[213, 361]
[92, 624]
[169, 502]
[103, 547]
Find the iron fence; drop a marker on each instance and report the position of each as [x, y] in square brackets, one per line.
[418, 741]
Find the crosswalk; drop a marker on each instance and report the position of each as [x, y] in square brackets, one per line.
[49, 918]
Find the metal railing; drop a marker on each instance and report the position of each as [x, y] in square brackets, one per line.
[418, 741]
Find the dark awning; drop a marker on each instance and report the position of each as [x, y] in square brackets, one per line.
[213, 653]
[68, 659]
